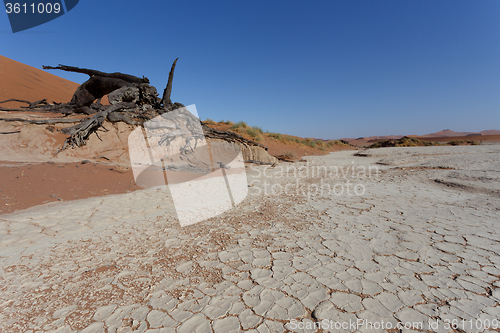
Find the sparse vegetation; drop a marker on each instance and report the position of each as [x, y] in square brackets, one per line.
[275, 136]
[331, 143]
[463, 142]
[403, 142]
[238, 125]
[289, 154]
[310, 142]
[258, 134]
[255, 133]
[257, 128]
[414, 142]
[313, 143]
[242, 127]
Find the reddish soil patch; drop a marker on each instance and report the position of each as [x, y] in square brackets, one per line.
[25, 185]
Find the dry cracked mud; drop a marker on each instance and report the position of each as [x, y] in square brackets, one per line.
[403, 246]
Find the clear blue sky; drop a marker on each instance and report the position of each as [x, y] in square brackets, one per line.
[324, 69]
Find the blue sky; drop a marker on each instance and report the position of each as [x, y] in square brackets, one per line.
[324, 69]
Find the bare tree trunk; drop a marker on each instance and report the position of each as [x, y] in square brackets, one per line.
[165, 101]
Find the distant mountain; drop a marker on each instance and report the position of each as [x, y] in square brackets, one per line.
[445, 132]
[490, 132]
[20, 81]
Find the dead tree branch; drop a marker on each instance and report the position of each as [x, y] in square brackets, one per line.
[165, 101]
[43, 121]
[91, 73]
[30, 104]
[80, 132]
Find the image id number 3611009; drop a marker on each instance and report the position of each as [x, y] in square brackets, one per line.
[40, 8]
[466, 325]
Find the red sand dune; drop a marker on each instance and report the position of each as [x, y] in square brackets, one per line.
[29, 183]
[20, 81]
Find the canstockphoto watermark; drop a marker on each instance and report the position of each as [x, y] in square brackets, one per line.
[309, 179]
[24, 15]
[434, 325]
[204, 179]
[354, 325]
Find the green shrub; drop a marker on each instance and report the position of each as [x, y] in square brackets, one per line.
[238, 125]
[331, 143]
[309, 142]
[254, 133]
[463, 142]
[276, 136]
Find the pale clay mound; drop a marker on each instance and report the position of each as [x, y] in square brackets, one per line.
[35, 143]
[409, 249]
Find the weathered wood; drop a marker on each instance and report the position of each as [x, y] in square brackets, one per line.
[43, 121]
[259, 162]
[80, 132]
[92, 72]
[95, 88]
[166, 101]
[30, 104]
[13, 132]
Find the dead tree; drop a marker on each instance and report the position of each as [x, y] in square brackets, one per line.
[165, 101]
[97, 86]
[132, 100]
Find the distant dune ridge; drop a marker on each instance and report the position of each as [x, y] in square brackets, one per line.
[443, 133]
[444, 136]
[448, 132]
[20, 81]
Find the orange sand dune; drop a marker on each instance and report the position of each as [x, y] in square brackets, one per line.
[20, 81]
